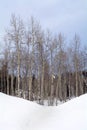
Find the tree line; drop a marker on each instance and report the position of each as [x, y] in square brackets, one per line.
[37, 65]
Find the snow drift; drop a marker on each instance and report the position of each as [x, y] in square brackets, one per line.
[19, 114]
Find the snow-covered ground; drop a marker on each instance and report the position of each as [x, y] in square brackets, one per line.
[19, 114]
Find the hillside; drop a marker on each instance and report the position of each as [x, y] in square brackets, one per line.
[19, 114]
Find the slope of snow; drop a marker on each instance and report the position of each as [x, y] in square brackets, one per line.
[19, 114]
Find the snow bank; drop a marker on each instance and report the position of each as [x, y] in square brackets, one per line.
[19, 114]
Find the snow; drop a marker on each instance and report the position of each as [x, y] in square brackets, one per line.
[19, 114]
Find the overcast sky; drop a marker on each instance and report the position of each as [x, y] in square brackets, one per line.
[65, 16]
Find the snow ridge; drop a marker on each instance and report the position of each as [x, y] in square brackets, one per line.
[20, 114]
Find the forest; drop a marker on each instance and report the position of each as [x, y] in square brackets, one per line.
[39, 65]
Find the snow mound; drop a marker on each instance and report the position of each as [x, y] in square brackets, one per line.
[19, 114]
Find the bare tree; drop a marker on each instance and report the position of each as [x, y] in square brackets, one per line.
[15, 36]
[76, 62]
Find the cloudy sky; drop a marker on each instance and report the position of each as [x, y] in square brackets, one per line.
[66, 16]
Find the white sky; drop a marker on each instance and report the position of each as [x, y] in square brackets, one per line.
[65, 16]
